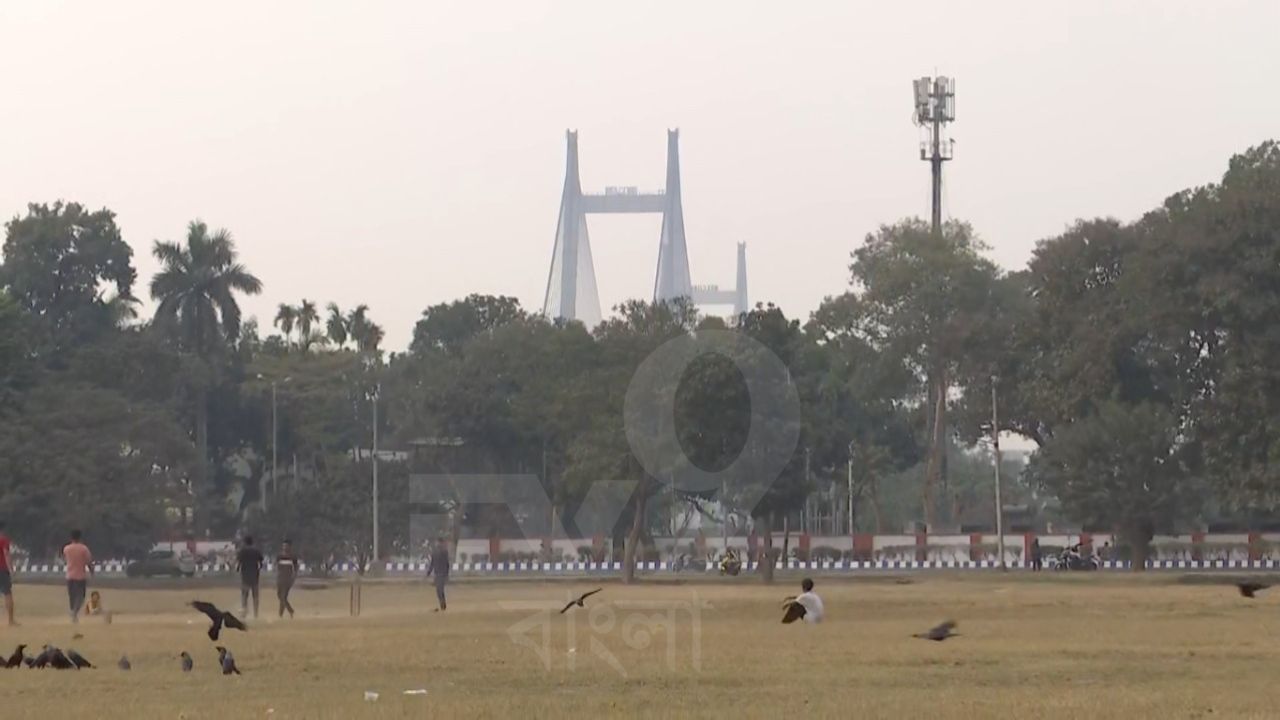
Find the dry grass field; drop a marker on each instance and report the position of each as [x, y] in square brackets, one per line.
[1087, 646]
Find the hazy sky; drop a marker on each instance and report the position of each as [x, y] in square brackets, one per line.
[406, 153]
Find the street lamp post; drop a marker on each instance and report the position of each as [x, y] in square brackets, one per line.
[275, 447]
[995, 445]
[851, 487]
[275, 465]
[377, 391]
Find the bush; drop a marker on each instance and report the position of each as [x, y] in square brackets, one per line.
[823, 553]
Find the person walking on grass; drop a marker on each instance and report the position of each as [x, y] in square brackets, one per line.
[79, 568]
[440, 568]
[249, 563]
[286, 573]
[6, 575]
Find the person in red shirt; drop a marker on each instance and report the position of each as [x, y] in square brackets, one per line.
[79, 567]
[6, 574]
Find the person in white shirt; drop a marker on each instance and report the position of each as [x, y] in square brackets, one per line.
[813, 610]
[806, 605]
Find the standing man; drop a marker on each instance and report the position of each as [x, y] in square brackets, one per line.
[440, 568]
[1035, 555]
[286, 572]
[249, 563]
[6, 575]
[79, 568]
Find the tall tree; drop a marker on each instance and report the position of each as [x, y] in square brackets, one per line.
[306, 319]
[59, 261]
[15, 353]
[1124, 467]
[449, 326]
[335, 326]
[196, 289]
[921, 297]
[286, 318]
[366, 334]
[1211, 282]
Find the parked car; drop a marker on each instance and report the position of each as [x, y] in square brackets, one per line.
[173, 563]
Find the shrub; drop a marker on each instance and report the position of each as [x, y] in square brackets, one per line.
[823, 553]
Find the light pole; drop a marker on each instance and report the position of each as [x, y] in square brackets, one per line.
[995, 444]
[275, 446]
[275, 465]
[851, 487]
[377, 391]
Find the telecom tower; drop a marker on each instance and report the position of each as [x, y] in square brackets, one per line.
[935, 107]
[571, 287]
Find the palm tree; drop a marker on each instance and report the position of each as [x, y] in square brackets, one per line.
[336, 326]
[196, 289]
[363, 332]
[307, 317]
[286, 315]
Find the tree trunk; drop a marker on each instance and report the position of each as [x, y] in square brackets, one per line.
[633, 537]
[1138, 536]
[933, 472]
[200, 484]
[786, 538]
[766, 560]
[874, 489]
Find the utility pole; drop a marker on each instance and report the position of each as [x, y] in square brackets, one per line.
[275, 463]
[995, 444]
[377, 391]
[851, 488]
[808, 482]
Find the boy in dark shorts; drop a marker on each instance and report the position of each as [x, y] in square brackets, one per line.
[249, 562]
[286, 573]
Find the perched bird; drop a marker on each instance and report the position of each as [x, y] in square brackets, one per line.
[792, 611]
[1248, 588]
[939, 633]
[187, 662]
[124, 663]
[578, 600]
[15, 660]
[227, 661]
[219, 618]
[78, 659]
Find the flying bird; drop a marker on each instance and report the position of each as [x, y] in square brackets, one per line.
[1248, 588]
[792, 611]
[187, 662]
[227, 661]
[15, 660]
[219, 618]
[58, 660]
[42, 660]
[124, 663]
[578, 600]
[939, 633]
[79, 660]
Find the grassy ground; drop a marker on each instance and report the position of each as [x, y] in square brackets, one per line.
[1088, 646]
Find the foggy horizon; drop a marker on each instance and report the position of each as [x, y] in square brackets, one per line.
[405, 155]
